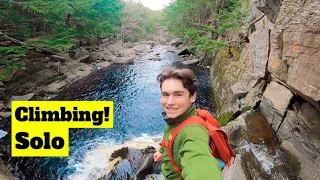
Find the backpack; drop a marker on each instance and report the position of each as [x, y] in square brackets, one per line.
[219, 143]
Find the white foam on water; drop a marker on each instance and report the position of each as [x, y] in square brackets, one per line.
[2, 133]
[264, 158]
[148, 138]
[96, 161]
[262, 155]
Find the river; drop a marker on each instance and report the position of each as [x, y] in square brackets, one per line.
[137, 115]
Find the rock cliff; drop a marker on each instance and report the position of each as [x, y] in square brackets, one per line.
[278, 70]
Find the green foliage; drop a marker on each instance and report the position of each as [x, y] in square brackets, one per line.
[60, 20]
[19, 51]
[56, 43]
[224, 118]
[200, 22]
[139, 22]
[231, 17]
[62, 41]
[190, 36]
[7, 69]
[246, 108]
[207, 45]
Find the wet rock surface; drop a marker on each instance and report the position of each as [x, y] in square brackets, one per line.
[258, 153]
[299, 133]
[133, 164]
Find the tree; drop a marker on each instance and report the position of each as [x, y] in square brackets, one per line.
[201, 22]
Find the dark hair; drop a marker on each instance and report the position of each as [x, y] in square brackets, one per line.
[188, 78]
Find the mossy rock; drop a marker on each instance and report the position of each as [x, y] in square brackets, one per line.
[224, 118]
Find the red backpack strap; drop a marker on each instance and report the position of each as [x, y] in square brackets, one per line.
[175, 132]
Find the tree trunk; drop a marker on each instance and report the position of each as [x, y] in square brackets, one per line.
[68, 20]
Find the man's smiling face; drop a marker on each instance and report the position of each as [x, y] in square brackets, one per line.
[175, 99]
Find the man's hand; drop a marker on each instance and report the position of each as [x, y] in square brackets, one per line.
[157, 156]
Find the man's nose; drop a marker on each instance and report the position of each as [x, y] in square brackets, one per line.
[170, 100]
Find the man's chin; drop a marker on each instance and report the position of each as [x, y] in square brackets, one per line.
[172, 116]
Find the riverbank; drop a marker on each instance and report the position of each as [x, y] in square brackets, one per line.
[45, 75]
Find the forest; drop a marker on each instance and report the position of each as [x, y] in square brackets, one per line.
[56, 26]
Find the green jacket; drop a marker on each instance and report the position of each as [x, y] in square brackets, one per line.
[190, 150]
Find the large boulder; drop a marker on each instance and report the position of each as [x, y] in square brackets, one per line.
[295, 48]
[20, 98]
[240, 89]
[80, 52]
[85, 59]
[131, 163]
[271, 8]
[58, 58]
[30, 83]
[176, 42]
[125, 60]
[255, 94]
[274, 103]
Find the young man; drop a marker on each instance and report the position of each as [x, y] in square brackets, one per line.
[190, 149]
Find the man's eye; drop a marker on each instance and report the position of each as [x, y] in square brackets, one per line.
[165, 95]
[178, 95]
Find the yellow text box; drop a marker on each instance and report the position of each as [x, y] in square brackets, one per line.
[47, 123]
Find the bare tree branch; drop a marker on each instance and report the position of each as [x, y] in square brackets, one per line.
[256, 20]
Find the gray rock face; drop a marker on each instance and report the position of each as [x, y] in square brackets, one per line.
[240, 89]
[261, 52]
[30, 83]
[274, 103]
[234, 172]
[305, 168]
[254, 95]
[295, 47]
[271, 8]
[235, 129]
[300, 136]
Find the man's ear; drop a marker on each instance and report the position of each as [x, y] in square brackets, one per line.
[193, 97]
